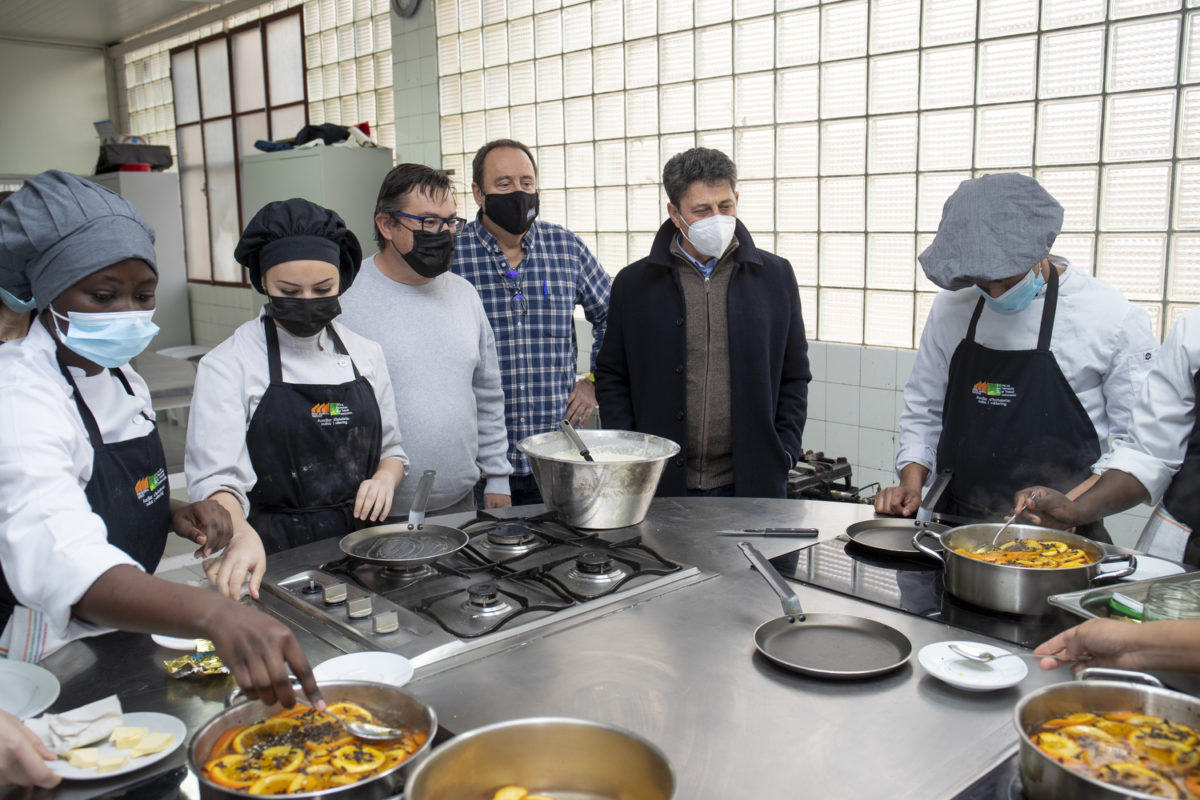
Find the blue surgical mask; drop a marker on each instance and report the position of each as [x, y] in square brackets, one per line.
[109, 339]
[15, 303]
[1019, 296]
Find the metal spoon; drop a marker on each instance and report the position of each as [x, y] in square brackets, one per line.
[576, 440]
[1013, 518]
[984, 656]
[372, 732]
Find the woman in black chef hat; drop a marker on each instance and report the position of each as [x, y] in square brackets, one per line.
[293, 423]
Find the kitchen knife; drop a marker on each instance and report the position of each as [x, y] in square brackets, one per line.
[798, 533]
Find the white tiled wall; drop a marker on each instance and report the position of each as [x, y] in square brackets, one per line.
[218, 310]
[854, 406]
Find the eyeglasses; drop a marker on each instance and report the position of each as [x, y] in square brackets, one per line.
[433, 224]
[519, 301]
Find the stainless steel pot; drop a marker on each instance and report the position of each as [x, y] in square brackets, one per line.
[1045, 778]
[392, 706]
[1013, 589]
[600, 494]
[569, 757]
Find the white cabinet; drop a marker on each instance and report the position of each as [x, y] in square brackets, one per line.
[345, 179]
[156, 196]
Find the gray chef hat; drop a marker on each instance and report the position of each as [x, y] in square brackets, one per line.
[992, 227]
[58, 229]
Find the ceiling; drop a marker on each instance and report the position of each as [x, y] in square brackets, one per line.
[89, 22]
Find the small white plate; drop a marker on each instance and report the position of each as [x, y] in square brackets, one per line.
[973, 676]
[174, 642]
[157, 723]
[388, 668]
[26, 690]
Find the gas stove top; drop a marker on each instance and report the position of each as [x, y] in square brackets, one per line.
[513, 576]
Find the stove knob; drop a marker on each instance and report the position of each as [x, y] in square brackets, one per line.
[335, 593]
[386, 622]
[358, 608]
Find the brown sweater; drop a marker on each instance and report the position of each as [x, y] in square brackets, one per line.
[709, 417]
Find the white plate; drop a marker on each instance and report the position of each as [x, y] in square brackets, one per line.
[387, 668]
[973, 676]
[174, 642]
[157, 723]
[26, 690]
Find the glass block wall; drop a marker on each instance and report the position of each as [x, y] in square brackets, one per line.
[851, 121]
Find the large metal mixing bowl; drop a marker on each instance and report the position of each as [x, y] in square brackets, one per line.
[552, 755]
[603, 494]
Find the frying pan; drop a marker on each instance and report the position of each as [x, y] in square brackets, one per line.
[406, 544]
[894, 537]
[836, 646]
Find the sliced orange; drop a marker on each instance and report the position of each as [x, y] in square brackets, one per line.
[1056, 746]
[232, 771]
[1192, 782]
[1082, 718]
[355, 758]
[306, 783]
[281, 758]
[396, 755]
[350, 711]
[271, 732]
[224, 740]
[342, 780]
[295, 711]
[279, 783]
[1121, 730]
[1128, 775]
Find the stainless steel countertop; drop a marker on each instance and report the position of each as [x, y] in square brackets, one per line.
[679, 668]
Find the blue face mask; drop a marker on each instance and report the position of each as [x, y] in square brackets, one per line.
[109, 339]
[15, 303]
[1019, 296]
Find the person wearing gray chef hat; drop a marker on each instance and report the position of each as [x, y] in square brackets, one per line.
[293, 427]
[85, 507]
[1027, 368]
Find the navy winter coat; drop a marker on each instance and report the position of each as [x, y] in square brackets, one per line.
[641, 380]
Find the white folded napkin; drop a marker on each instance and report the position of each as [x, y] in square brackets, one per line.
[82, 726]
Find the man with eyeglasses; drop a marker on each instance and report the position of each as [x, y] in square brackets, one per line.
[706, 344]
[439, 347]
[530, 274]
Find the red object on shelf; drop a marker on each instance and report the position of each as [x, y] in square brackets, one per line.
[135, 168]
[365, 127]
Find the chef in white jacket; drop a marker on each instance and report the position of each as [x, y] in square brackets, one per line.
[1027, 368]
[293, 421]
[84, 503]
[1158, 462]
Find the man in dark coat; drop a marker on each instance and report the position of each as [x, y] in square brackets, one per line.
[705, 343]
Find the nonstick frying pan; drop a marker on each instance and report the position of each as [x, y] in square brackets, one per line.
[406, 544]
[838, 646]
[893, 537]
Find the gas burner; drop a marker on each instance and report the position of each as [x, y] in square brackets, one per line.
[408, 573]
[595, 566]
[507, 539]
[483, 600]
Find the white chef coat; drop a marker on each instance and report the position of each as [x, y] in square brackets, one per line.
[1164, 413]
[1102, 342]
[52, 546]
[231, 380]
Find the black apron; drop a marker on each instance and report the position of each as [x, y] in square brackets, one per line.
[311, 445]
[1011, 420]
[1182, 498]
[128, 490]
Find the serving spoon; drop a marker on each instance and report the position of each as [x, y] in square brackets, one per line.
[372, 732]
[1013, 518]
[985, 656]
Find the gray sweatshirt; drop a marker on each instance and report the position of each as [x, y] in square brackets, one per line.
[441, 356]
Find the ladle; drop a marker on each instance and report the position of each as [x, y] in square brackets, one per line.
[576, 440]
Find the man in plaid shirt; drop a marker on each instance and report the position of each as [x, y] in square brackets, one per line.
[530, 275]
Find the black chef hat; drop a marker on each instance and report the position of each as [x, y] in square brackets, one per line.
[297, 230]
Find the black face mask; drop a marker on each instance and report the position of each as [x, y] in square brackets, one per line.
[431, 253]
[303, 316]
[512, 211]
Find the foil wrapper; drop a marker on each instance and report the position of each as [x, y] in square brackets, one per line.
[203, 662]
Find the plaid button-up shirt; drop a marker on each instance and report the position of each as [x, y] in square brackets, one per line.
[535, 339]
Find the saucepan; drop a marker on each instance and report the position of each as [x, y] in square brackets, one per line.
[824, 645]
[392, 706]
[1007, 587]
[1097, 691]
[406, 544]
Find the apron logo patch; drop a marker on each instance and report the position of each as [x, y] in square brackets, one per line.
[328, 414]
[993, 394]
[151, 488]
